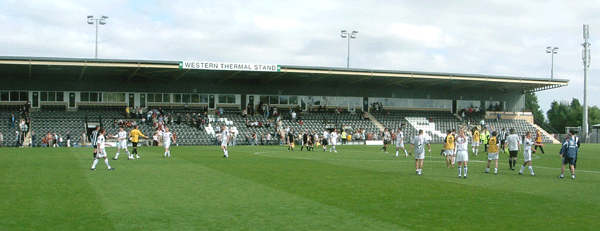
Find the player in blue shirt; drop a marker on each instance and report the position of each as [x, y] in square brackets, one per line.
[568, 152]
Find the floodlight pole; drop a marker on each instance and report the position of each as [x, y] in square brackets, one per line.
[552, 51]
[352, 35]
[101, 21]
[586, 56]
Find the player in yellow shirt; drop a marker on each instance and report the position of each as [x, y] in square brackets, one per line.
[135, 135]
[475, 143]
[449, 149]
[492, 152]
[538, 141]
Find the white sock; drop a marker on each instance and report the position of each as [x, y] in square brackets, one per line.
[495, 170]
[466, 170]
[487, 169]
[106, 162]
[117, 155]
[522, 168]
[396, 153]
[169, 153]
[531, 169]
[128, 153]
[227, 153]
[459, 171]
[405, 153]
[476, 151]
[165, 153]
[95, 162]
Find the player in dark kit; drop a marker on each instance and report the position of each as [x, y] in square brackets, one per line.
[305, 141]
[291, 139]
[312, 140]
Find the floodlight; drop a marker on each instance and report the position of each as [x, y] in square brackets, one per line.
[349, 36]
[548, 49]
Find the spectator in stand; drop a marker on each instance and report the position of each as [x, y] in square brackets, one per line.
[149, 116]
[370, 136]
[1, 140]
[301, 122]
[44, 142]
[68, 136]
[12, 120]
[254, 139]
[140, 112]
[127, 113]
[294, 115]
[244, 113]
[17, 139]
[83, 139]
[221, 111]
[32, 142]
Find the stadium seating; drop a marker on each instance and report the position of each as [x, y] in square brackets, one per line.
[55, 119]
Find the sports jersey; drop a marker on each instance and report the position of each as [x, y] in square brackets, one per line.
[449, 142]
[570, 147]
[400, 136]
[419, 143]
[100, 141]
[502, 136]
[225, 135]
[538, 137]
[135, 135]
[122, 135]
[493, 145]
[462, 144]
[167, 136]
[513, 142]
[476, 136]
[334, 137]
[94, 137]
[527, 144]
[386, 136]
[325, 135]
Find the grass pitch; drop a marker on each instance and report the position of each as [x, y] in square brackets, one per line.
[269, 188]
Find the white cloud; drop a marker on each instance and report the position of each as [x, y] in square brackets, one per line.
[426, 36]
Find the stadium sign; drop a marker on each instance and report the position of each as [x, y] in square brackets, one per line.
[229, 66]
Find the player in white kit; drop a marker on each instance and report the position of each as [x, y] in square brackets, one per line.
[224, 140]
[325, 140]
[167, 138]
[419, 144]
[333, 138]
[400, 143]
[527, 149]
[122, 143]
[101, 143]
[462, 152]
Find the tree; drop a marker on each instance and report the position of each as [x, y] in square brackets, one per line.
[531, 104]
[564, 114]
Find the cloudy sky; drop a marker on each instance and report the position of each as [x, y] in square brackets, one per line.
[497, 37]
